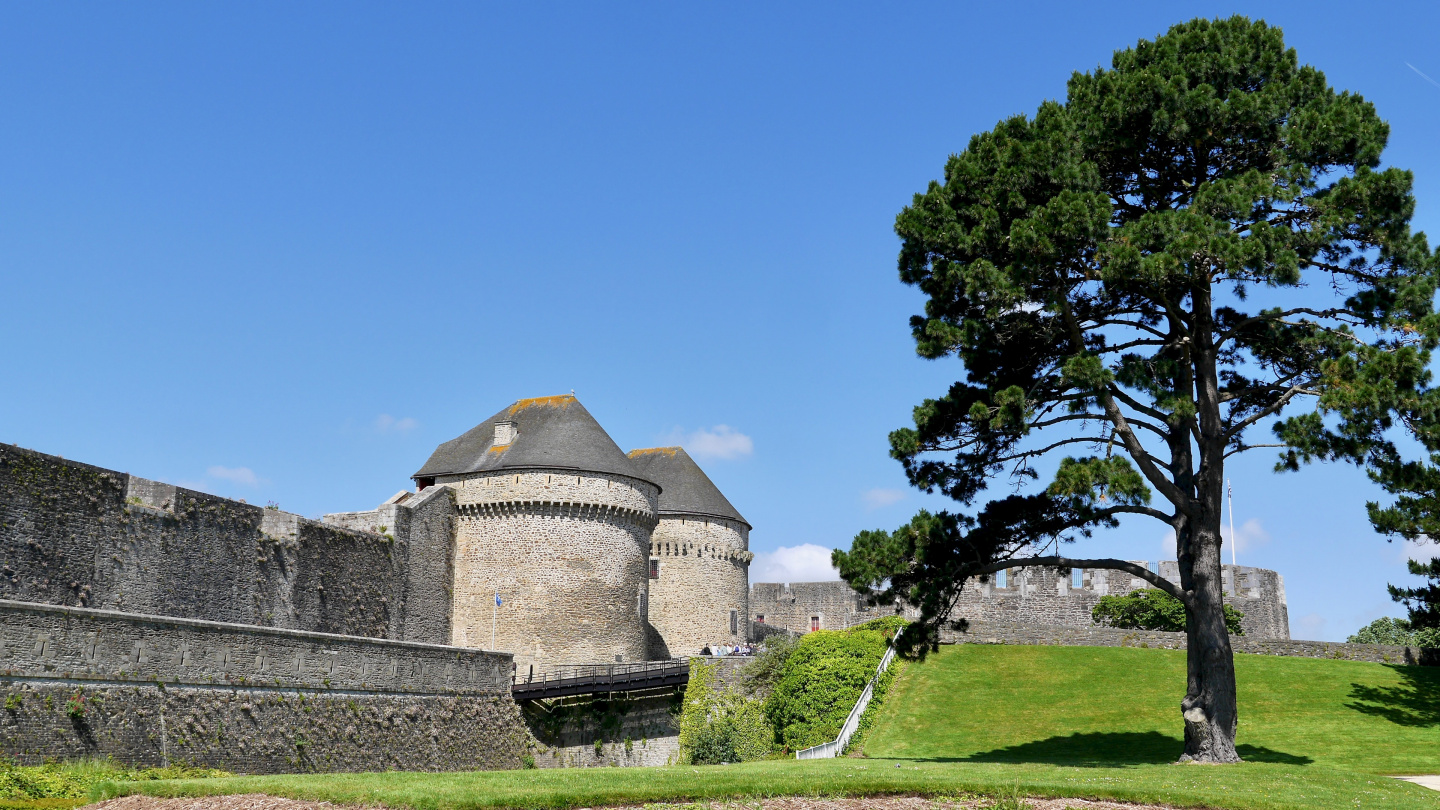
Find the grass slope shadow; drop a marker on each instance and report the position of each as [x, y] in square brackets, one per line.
[1415, 701]
[1112, 749]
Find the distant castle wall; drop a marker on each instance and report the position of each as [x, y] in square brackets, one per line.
[1023, 596]
[699, 594]
[567, 552]
[74, 534]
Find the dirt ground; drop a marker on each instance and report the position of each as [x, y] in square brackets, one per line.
[259, 801]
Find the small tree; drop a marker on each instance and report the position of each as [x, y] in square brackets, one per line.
[1093, 266]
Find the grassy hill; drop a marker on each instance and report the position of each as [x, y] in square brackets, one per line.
[1120, 706]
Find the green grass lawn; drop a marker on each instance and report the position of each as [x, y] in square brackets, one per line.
[1120, 706]
[1259, 786]
[1059, 721]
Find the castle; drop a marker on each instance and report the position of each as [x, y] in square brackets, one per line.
[568, 550]
[391, 638]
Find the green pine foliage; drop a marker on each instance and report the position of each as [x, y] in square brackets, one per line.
[1422, 601]
[1152, 609]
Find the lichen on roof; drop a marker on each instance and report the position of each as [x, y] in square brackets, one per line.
[561, 401]
[668, 451]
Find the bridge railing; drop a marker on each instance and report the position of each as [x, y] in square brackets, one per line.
[575, 679]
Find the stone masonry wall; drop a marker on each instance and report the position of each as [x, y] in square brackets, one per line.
[261, 730]
[149, 690]
[791, 606]
[1038, 596]
[73, 534]
[702, 575]
[567, 554]
[632, 729]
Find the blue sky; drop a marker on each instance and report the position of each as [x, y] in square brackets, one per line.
[280, 251]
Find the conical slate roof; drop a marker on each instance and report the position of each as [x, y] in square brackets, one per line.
[684, 487]
[549, 432]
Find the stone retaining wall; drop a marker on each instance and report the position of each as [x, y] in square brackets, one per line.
[150, 690]
[998, 633]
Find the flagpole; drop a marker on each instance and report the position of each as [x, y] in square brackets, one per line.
[495, 609]
[1230, 496]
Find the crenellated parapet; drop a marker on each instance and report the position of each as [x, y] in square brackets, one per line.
[691, 548]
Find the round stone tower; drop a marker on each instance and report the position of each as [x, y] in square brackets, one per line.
[699, 557]
[554, 524]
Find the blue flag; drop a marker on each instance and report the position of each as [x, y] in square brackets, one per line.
[497, 600]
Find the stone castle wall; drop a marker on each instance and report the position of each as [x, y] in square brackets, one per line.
[635, 729]
[74, 534]
[1040, 597]
[567, 554]
[153, 690]
[702, 576]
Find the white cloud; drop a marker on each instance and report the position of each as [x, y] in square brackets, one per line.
[1312, 627]
[719, 442]
[1250, 535]
[880, 497]
[1423, 550]
[244, 476]
[803, 563]
[385, 423]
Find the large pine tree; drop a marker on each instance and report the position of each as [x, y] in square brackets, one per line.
[1091, 266]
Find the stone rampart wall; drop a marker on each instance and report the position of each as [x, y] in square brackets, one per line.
[50, 641]
[1002, 633]
[702, 574]
[1039, 596]
[151, 690]
[73, 534]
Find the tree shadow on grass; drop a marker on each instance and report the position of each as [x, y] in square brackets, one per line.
[1415, 701]
[1111, 749]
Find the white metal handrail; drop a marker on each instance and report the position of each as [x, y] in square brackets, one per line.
[852, 723]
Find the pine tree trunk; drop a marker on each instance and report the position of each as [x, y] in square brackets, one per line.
[1209, 706]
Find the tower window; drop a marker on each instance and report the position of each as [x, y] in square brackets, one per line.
[654, 568]
[734, 622]
[759, 618]
[814, 623]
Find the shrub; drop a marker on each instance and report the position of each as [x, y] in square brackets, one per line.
[718, 725]
[1152, 609]
[1400, 632]
[823, 677]
[763, 673]
[1384, 630]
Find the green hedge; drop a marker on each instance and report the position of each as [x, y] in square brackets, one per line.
[822, 678]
